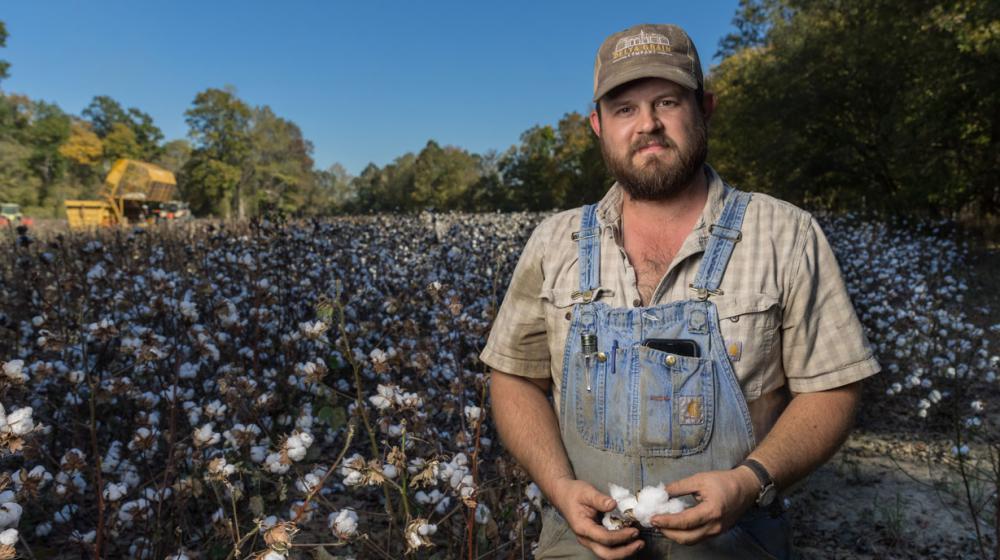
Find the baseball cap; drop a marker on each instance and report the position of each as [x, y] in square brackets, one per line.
[647, 51]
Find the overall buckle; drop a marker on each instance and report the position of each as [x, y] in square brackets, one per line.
[703, 293]
[726, 235]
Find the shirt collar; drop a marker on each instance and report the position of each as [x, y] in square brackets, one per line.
[609, 209]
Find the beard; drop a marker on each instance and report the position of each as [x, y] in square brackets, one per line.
[656, 179]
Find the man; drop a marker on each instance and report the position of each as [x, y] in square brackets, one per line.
[691, 334]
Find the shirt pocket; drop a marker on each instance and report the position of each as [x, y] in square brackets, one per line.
[749, 324]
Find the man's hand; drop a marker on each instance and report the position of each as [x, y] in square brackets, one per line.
[722, 497]
[581, 504]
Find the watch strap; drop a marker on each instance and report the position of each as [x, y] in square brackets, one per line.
[768, 493]
[758, 469]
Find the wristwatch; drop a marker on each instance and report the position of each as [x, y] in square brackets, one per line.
[768, 491]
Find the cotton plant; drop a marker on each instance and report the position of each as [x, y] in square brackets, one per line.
[243, 355]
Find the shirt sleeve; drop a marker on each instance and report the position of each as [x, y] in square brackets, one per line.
[823, 343]
[518, 342]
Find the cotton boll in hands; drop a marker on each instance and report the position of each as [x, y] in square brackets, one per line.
[625, 500]
[653, 501]
[650, 502]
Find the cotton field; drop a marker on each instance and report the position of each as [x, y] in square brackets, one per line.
[265, 390]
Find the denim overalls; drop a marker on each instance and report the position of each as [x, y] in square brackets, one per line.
[638, 416]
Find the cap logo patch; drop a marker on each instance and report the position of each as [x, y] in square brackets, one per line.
[643, 43]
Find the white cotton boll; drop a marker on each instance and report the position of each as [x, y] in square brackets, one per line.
[306, 438]
[353, 478]
[612, 522]
[296, 453]
[206, 435]
[343, 523]
[307, 483]
[9, 537]
[19, 422]
[472, 413]
[427, 529]
[258, 453]
[43, 529]
[390, 471]
[652, 501]
[442, 507]
[423, 497]
[618, 492]
[274, 555]
[675, 505]
[534, 494]
[65, 514]
[115, 491]
[10, 514]
[83, 538]
[273, 463]
[14, 370]
[628, 504]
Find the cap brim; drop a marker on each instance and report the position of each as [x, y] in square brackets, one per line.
[667, 72]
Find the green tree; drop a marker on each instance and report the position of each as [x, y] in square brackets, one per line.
[214, 176]
[4, 65]
[530, 169]
[876, 105]
[281, 164]
[173, 155]
[108, 118]
[442, 177]
[121, 143]
[332, 191]
[49, 129]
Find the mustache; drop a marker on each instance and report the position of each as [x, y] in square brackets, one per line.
[651, 139]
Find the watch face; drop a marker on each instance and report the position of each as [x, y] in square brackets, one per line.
[767, 496]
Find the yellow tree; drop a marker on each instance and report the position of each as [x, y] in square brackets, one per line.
[83, 147]
[83, 150]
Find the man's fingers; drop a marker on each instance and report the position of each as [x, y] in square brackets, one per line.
[684, 486]
[598, 534]
[688, 519]
[612, 553]
[595, 499]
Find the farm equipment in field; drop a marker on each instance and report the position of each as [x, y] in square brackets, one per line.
[134, 192]
[10, 213]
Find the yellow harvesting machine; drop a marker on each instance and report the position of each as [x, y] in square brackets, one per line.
[133, 193]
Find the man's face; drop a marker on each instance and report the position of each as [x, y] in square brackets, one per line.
[654, 136]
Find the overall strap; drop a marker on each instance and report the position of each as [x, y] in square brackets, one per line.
[589, 238]
[724, 235]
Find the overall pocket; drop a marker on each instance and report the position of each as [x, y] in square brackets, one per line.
[677, 403]
[588, 394]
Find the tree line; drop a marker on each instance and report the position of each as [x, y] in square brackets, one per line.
[867, 105]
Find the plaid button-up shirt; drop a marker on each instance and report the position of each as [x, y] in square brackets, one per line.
[786, 317]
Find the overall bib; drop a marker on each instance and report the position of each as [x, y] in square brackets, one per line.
[637, 416]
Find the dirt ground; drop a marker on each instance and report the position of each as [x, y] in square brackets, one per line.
[885, 494]
[880, 498]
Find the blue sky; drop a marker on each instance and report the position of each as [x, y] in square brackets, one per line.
[366, 82]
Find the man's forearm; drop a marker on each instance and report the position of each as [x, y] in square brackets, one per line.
[808, 433]
[529, 429]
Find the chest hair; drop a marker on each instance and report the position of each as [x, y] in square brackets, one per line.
[650, 264]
